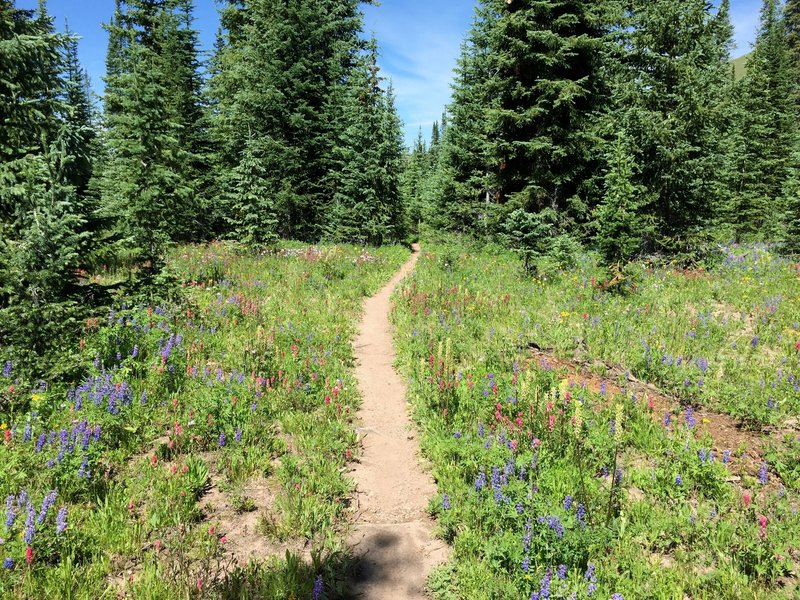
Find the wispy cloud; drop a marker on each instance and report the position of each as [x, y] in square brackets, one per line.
[419, 44]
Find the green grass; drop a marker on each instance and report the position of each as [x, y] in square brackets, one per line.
[527, 458]
[246, 373]
[740, 66]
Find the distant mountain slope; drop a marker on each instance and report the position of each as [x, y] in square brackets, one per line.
[740, 66]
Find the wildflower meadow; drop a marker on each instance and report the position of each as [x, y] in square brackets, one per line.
[632, 440]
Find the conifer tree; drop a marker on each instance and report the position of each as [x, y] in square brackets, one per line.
[415, 172]
[42, 230]
[671, 103]
[147, 182]
[367, 207]
[547, 78]
[280, 71]
[621, 226]
[462, 186]
[769, 107]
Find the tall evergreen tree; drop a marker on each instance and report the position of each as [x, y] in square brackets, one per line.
[671, 103]
[148, 173]
[280, 70]
[769, 107]
[547, 77]
[462, 184]
[367, 207]
[42, 230]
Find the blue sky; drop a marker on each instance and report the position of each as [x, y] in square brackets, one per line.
[419, 42]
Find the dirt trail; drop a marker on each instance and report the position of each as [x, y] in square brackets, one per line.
[392, 533]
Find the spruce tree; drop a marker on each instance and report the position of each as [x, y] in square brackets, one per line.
[279, 79]
[547, 77]
[367, 207]
[671, 102]
[146, 181]
[42, 232]
[462, 186]
[769, 106]
[622, 227]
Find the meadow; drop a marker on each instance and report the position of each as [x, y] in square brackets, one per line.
[202, 451]
[608, 435]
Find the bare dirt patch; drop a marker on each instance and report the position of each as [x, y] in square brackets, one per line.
[392, 534]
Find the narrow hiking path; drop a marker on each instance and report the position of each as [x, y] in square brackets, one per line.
[392, 533]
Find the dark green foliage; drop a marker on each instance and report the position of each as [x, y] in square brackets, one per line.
[621, 226]
[462, 189]
[547, 80]
[671, 103]
[152, 117]
[791, 12]
[297, 79]
[44, 168]
[792, 199]
[769, 114]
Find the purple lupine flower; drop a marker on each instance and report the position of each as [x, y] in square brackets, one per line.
[526, 564]
[96, 433]
[457, 435]
[143, 399]
[222, 439]
[47, 503]
[11, 514]
[238, 435]
[519, 508]
[617, 597]
[544, 586]
[445, 502]
[762, 473]
[316, 593]
[27, 432]
[8, 563]
[83, 470]
[567, 502]
[30, 524]
[135, 351]
[562, 572]
[667, 419]
[7, 369]
[689, 417]
[702, 455]
[554, 523]
[522, 473]
[754, 342]
[481, 431]
[726, 456]
[678, 480]
[592, 579]
[61, 520]
[581, 514]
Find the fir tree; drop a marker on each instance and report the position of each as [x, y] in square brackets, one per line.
[672, 104]
[547, 78]
[462, 186]
[621, 226]
[146, 178]
[367, 207]
[42, 232]
[769, 107]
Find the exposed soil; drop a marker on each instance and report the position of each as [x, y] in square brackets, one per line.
[726, 431]
[392, 533]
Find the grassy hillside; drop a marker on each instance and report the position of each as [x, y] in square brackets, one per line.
[740, 66]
